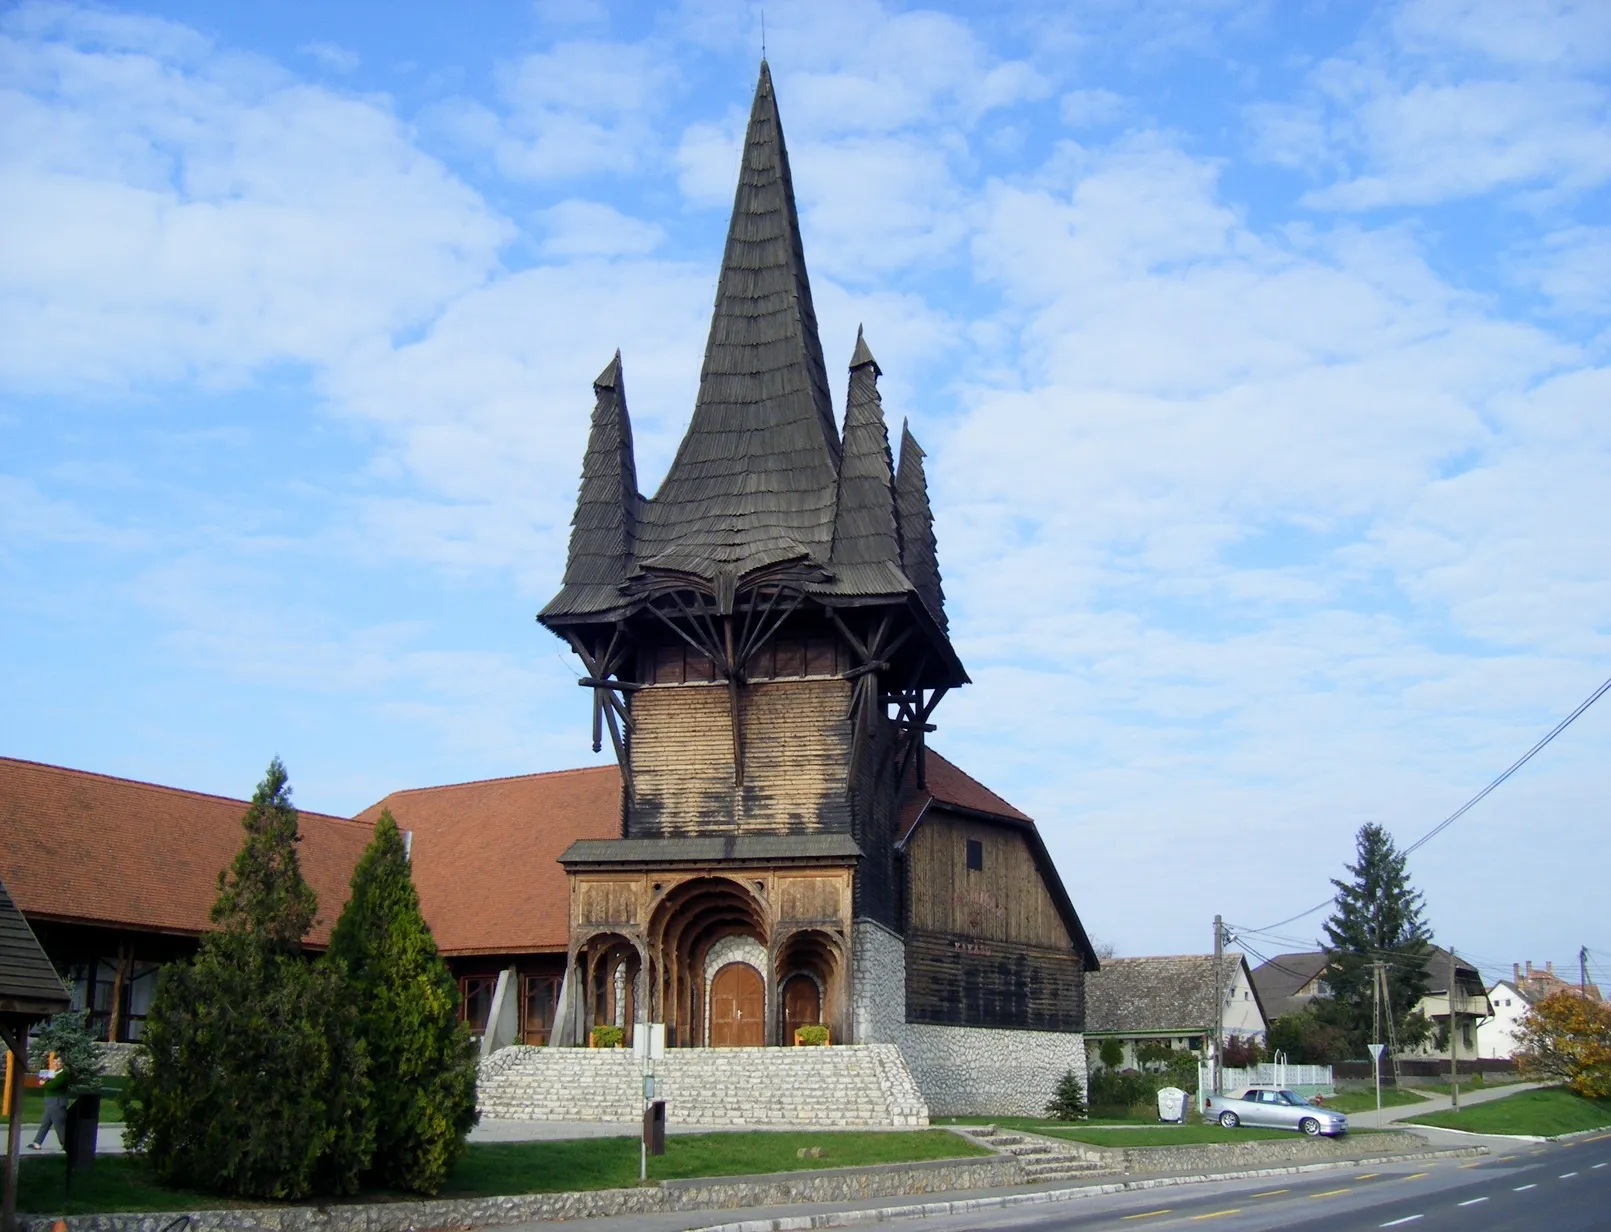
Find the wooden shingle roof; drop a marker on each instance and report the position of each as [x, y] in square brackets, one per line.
[29, 985]
[1163, 995]
[761, 478]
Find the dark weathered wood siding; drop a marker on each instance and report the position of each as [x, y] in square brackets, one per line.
[985, 947]
[796, 755]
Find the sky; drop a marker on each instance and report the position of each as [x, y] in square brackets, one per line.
[1260, 352]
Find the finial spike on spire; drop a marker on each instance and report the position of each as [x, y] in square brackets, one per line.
[863, 355]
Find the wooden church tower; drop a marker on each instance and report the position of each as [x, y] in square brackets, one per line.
[765, 642]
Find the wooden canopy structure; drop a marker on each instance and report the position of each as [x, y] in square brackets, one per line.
[30, 990]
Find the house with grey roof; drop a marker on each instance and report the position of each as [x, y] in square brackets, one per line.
[1171, 999]
[1287, 983]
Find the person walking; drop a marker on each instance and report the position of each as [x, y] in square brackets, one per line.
[55, 1088]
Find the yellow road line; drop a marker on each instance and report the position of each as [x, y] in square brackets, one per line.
[1149, 1214]
[1415, 1176]
[1330, 1193]
[1365, 1176]
[1475, 1164]
[1217, 1214]
[1269, 1193]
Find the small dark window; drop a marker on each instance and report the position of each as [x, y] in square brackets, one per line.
[975, 855]
[475, 1000]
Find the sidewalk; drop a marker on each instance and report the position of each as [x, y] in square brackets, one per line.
[1435, 1103]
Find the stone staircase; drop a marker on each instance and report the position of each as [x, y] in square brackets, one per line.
[1044, 1159]
[857, 1085]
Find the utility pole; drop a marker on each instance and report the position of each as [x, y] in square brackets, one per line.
[1454, 1040]
[1583, 971]
[1219, 999]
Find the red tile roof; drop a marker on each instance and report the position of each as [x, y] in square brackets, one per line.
[122, 853]
[486, 854]
[948, 785]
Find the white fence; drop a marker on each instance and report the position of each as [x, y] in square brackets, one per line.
[1278, 1074]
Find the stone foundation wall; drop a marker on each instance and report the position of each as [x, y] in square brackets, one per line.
[961, 1071]
[116, 1058]
[844, 1085]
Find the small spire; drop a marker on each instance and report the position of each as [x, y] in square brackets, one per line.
[863, 355]
[919, 557]
[605, 523]
[610, 378]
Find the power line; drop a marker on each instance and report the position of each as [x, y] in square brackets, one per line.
[1480, 796]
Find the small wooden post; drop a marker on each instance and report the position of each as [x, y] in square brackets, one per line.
[16, 1040]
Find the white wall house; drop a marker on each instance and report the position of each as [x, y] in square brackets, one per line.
[1496, 1035]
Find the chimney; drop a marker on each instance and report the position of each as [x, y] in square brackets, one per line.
[1529, 968]
[1515, 973]
[1549, 967]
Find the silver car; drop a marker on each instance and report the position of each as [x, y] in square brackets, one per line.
[1272, 1108]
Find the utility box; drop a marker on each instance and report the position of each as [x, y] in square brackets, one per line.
[654, 1127]
[1172, 1104]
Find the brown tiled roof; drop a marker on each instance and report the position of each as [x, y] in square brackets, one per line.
[1166, 994]
[122, 853]
[486, 854]
[948, 785]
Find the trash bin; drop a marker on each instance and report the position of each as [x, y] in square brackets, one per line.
[83, 1124]
[654, 1127]
[1172, 1104]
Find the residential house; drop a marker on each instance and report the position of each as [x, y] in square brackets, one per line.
[1541, 982]
[1170, 999]
[1469, 1003]
[1287, 983]
[1509, 1000]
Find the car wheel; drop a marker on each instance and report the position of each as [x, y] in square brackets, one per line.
[1229, 1120]
[1310, 1126]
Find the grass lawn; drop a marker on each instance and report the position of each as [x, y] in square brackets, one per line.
[1164, 1135]
[1546, 1111]
[1036, 1125]
[1365, 1101]
[33, 1104]
[121, 1183]
[1470, 1084]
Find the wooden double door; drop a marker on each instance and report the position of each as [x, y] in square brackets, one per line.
[737, 1007]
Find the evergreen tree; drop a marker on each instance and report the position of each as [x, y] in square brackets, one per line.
[1068, 1101]
[253, 1080]
[1378, 918]
[422, 1058]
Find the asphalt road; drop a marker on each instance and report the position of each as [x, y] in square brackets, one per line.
[1564, 1187]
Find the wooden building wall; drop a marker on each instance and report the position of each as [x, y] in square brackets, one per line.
[985, 947]
[796, 755]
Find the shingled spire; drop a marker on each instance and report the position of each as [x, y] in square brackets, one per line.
[864, 522]
[605, 523]
[754, 479]
[919, 558]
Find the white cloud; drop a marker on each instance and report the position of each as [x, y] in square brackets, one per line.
[337, 59]
[579, 228]
[168, 211]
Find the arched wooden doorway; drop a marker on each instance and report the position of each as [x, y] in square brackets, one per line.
[802, 1005]
[737, 1007]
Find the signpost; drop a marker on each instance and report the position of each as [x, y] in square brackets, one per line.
[1376, 1065]
[649, 1046]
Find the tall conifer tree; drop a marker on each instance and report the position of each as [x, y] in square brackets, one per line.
[1378, 918]
[422, 1057]
[253, 1080]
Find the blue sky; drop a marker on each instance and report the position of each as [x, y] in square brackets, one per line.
[1260, 352]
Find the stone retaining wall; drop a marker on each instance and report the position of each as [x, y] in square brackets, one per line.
[726, 1193]
[844, 1085]
[961, 1071]
[1225, 1156]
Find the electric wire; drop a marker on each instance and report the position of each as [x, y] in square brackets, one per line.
[1480, 796]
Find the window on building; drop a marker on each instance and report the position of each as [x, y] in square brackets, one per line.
[680, 663]
[537, 1008]
[785, 658]
[475, 1000]
[975, 855]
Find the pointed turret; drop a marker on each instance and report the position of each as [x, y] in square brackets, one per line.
[919, 558]
[865, 533]
[754, 479]
[604, 526]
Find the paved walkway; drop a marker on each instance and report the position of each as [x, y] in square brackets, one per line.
[1435, 1103]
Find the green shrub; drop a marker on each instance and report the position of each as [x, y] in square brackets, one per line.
[1122, 1088]
[1112, 1053]
[253, 1081]
[1068, 1101]
[812, 1035]
[607, 1037]
[1153, 1052]
[422, 1058]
